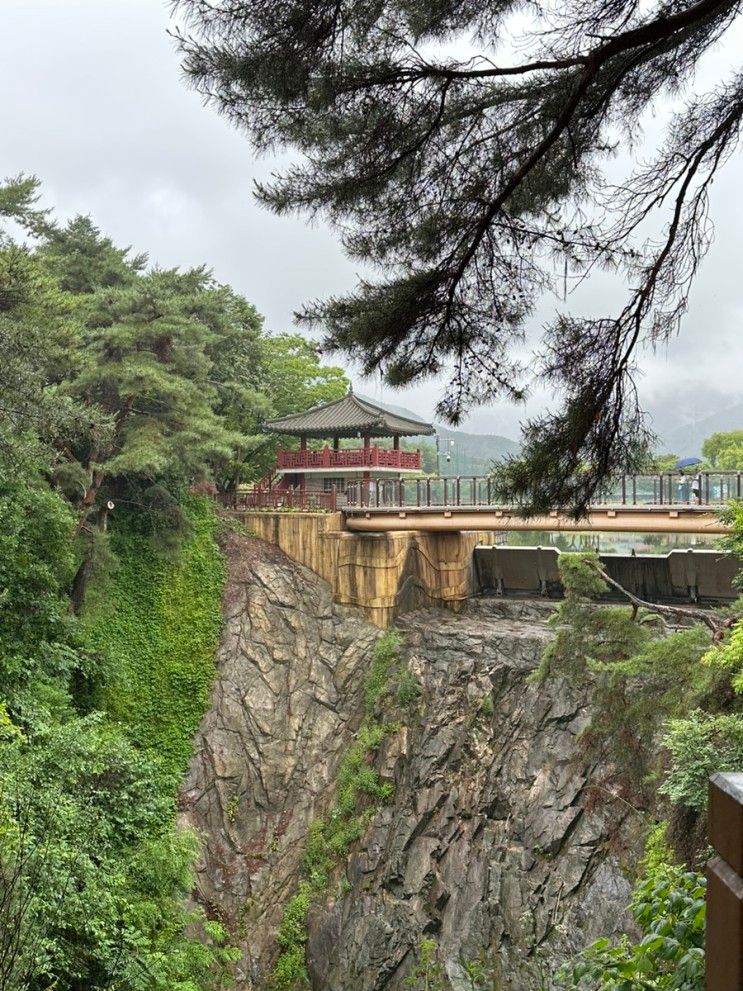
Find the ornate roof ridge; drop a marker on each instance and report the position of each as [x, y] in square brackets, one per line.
[348, 416]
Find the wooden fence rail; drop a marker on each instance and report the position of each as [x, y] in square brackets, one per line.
[724, 953]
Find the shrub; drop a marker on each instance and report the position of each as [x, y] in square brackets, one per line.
[669, 907]
[700, 745]
[408, 689]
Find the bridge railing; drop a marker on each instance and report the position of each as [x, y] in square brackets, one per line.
[714, 489]
[295, 499]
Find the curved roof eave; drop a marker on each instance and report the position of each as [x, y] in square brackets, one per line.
[348, 417]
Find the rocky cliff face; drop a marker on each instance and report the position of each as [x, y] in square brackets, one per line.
[494, 844]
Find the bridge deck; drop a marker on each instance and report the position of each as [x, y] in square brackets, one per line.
[660, 503]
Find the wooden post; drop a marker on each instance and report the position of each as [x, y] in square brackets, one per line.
[724, 954]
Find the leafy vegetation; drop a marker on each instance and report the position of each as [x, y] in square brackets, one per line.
[124, 388]
[157, 619]
[95, 872]
[408, 688]
[428, 973]
[699, 745]
[669, 908]
[643, 676]
[723, 451]
[652, 685]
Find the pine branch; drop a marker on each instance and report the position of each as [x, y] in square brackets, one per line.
[717, 626]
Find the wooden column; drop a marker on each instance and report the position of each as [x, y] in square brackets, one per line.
[396, 442]
[724, 954]
[336, 443]
[302, 479]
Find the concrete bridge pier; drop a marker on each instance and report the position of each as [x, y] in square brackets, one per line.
[384, 574]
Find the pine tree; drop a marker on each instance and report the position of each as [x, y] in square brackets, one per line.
[38, 333]
[472, 182]
[149, 370]
[83, 259]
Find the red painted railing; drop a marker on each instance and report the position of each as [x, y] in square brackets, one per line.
[358, 457]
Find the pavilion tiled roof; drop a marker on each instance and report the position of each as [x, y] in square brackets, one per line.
[348, 417]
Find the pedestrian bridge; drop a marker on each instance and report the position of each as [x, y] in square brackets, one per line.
[657, 503]
[395, 545]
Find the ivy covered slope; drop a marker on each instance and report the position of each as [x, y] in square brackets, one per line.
[95, 728]
[159, 617]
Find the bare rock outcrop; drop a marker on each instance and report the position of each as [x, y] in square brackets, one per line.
[494, 844]
[287, 699]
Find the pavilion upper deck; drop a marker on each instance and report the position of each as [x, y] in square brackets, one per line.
[350, 459]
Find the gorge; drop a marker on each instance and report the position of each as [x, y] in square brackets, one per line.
[497, 847]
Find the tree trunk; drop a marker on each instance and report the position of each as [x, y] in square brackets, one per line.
[87, 565]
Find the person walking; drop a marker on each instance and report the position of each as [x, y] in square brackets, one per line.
[696, 488]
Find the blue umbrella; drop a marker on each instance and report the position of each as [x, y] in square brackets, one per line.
[687, 462]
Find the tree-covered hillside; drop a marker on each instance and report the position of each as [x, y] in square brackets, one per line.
[127, 392]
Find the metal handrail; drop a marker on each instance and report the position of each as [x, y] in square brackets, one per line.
[667, 489]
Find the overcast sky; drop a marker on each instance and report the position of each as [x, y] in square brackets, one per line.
[94, 104]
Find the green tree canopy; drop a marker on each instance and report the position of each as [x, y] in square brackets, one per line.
[123, 383]
[148, 369]
[724, 450]
[84, 260]
[295, 377]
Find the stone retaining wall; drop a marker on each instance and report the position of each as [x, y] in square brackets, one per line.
[384, 574]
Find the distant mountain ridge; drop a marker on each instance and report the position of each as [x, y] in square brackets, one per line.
[470, 454]
[686, 438]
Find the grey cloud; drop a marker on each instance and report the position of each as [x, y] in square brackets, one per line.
[99, 111]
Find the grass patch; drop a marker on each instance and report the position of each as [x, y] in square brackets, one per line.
[386, 652]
